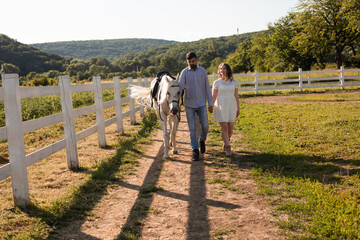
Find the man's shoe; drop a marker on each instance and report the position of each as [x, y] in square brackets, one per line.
[202, 147]
[195, 155]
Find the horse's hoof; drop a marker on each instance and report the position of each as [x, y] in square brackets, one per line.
[166, 156]
[175, 151]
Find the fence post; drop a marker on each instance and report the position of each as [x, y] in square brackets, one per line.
[131, 103]
[300, 80]
[100, 123]
[145, 81]
[118, 107]
[256, 82]
[69, 124]
[15, 134]
[139, 81]
[342, 77]
[146, 84]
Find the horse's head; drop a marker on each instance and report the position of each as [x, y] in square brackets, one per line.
[173, 94]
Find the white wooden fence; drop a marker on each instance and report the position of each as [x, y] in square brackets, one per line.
[11, 93]
[341, 78]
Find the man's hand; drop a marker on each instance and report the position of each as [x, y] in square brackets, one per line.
[210, 109]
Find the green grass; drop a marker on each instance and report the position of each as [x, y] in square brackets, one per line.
[306, 160]
[220, 233]
[225, 182]
[315, 132]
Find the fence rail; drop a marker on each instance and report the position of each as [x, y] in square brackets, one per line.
[342, 80]
[11, 93]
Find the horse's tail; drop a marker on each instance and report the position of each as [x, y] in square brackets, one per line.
[141, 94]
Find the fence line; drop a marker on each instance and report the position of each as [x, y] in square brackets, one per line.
[342, 80]
[11, 93]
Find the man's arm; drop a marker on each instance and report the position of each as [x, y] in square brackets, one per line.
[182, 81]
[208, 93]
[208, 90]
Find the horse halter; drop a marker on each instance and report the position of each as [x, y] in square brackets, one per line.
[175, 85]
[177, 101]
[173, 101]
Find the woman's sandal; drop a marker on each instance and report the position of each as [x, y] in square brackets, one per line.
[227, 151]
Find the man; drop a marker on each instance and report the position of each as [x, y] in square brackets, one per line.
[194, 81]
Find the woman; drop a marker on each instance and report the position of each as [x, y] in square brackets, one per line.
[226, 104]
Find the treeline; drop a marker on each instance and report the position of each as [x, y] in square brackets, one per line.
[145, 63]
[320, 33]
[110, 49]
[172, 57]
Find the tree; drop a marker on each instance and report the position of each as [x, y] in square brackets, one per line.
[258, 51]
[77, 66]
[215, 65]
[240, 60]
[42, 81]
[101, 61]
[281, 54]
[169, 64]
[9, 68]
[53, 74]
[327, 25]
[101, 71]
[354, 15]
[207, 57]
[151, 70]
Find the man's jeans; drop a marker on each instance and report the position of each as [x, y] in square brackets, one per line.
[191, 119]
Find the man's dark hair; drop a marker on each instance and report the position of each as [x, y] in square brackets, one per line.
[190, 55]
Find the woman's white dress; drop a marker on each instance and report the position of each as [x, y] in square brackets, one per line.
[225, 106]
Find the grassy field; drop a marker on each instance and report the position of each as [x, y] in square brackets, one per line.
[305, 159]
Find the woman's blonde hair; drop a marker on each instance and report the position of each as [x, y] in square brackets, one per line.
[228, 70]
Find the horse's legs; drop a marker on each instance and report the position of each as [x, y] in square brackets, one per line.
[165, 136]
[173, 123]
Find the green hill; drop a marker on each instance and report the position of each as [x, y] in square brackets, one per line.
[28, 58]
[109, 49]
[210, 51]
[220, 45]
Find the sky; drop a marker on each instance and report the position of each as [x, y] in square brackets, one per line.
[39, 21]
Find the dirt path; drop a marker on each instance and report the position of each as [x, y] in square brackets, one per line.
[179, 199]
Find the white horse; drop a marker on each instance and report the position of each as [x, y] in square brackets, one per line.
[166, 104]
